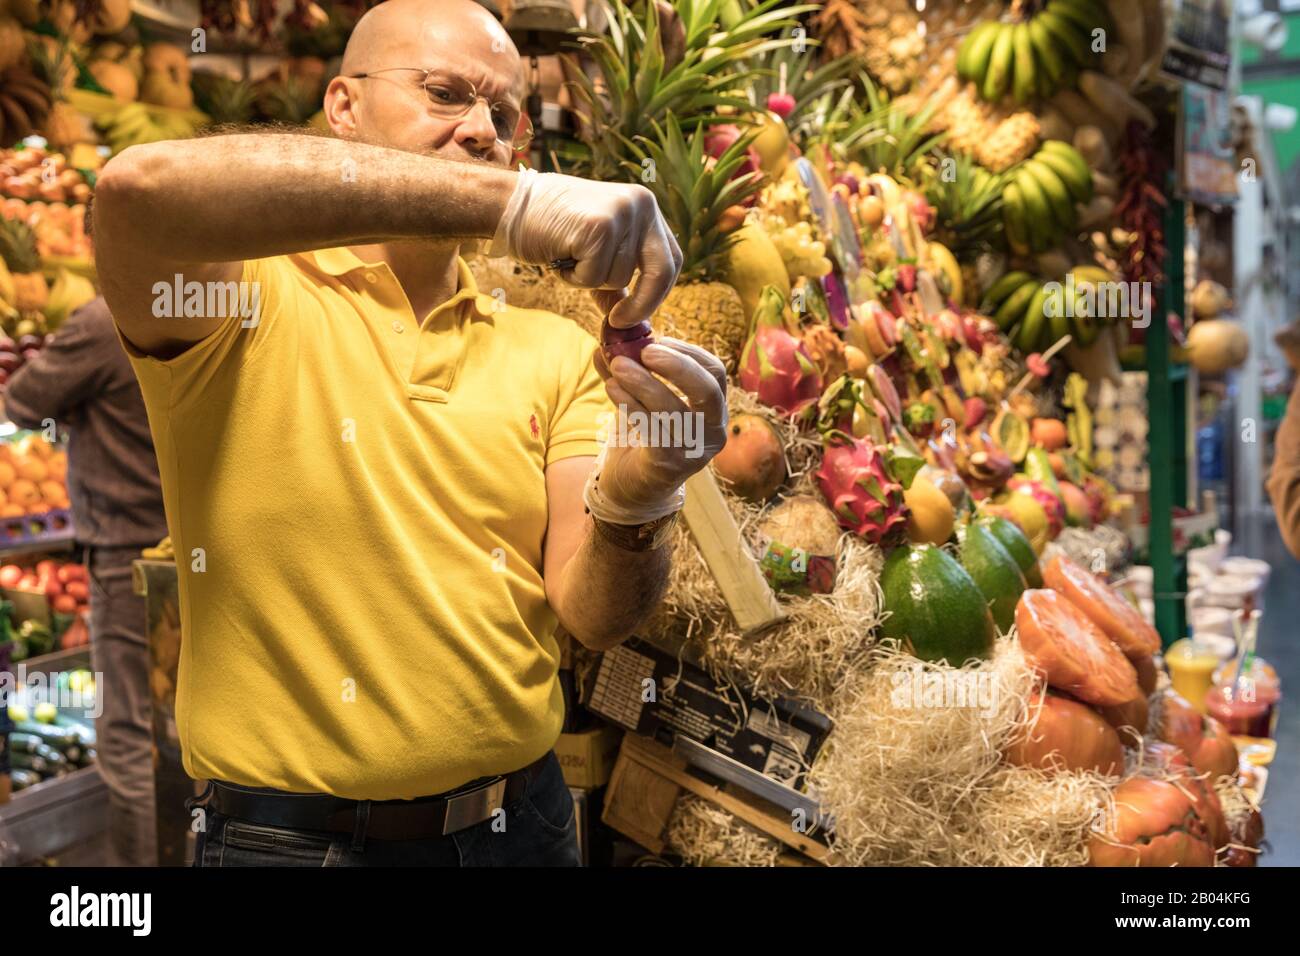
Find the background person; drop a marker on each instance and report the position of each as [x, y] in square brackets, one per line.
[83, 380]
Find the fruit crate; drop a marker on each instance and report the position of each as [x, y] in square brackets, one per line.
[53, 527]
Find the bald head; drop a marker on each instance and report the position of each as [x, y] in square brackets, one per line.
[392, 45]
[399, 32]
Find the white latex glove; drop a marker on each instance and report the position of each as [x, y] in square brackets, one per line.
[633, 485]
[608, 230]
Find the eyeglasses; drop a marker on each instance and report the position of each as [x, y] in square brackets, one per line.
[452, 96]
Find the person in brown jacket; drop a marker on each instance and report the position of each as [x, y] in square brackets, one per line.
[82, 381]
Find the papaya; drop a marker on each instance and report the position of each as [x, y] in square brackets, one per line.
[936, 611]
[1013, 539]
[995, 572]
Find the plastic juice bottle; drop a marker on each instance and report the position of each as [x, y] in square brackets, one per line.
[1251, 709]
[1191, 668]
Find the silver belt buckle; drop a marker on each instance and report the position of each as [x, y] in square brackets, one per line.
[467, 809]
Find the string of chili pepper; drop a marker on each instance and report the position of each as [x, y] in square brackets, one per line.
[1140, 209]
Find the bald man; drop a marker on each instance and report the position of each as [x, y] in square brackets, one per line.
[384, 487]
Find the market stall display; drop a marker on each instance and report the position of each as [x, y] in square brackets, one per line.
[921, 241]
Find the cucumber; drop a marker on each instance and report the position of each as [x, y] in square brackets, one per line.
[22, 779]
[21, 743]
[58, 737]
[33, 762]
[85, 733]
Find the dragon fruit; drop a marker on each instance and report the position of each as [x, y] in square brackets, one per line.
[1051, 504]
[855, 479]
[775, 365]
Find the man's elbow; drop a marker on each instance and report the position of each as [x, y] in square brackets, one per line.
[599, 641]
[125, 189]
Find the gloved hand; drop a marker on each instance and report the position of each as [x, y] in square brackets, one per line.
[607, 229]
[635, 483]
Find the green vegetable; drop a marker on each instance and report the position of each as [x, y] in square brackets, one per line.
[935, 610]
[22, 779]
[1018, 546]
[58, 737]
[995, 572]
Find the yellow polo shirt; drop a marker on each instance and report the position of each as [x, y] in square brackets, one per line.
[358, 505]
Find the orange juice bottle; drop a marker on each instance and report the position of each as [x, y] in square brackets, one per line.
[1191, 668]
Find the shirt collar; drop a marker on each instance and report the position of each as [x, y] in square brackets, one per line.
[340, 260]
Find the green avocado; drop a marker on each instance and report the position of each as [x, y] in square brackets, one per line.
[995, 572]
[935, 610]
[1018, 546]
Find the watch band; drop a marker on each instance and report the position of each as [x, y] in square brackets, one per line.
[650, 536]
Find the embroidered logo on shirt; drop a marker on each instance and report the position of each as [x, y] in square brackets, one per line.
[532, 425]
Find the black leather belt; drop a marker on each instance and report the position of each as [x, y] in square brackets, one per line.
[419, 819]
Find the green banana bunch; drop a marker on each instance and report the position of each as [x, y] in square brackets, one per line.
[1036, 57]
[1039, 200]
[1035, 314]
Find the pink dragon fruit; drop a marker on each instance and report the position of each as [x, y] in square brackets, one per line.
[855, 480]
[1051, 504]
[774, 365]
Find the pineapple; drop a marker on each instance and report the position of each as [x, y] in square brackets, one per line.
[967, 204]
[636, 86]
[18, 250]
[886, 136]
[291, 100]
[223, 99]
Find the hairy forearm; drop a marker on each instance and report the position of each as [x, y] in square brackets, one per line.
[249, 196]
[607, 592]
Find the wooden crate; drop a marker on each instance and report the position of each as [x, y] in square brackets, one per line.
[648, 778]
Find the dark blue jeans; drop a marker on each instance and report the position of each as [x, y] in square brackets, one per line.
[539, 829]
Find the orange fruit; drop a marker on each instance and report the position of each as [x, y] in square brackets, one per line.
[7, 474]
[52, 490]
[33, 469]
[38, 446]
[58, 465]
[12, 511]
[24, 493]
[38, 509]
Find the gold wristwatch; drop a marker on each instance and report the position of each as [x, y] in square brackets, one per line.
[650, 536]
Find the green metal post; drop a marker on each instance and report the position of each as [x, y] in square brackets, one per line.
[1167, 408]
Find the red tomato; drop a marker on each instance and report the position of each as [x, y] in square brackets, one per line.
[51, 586]
[1154, 824]
[1118, 620]
[1146, 671]
[10, 575]
[1205, 740]
[29, 582]
[71, 572]
[1067, 735]
[78, 590]
[64, 604]
[47, 568]
[1075, 656]
[1132, 714]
